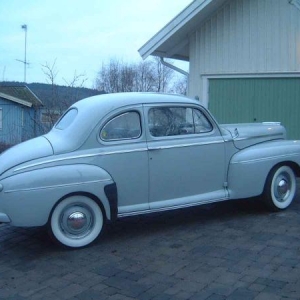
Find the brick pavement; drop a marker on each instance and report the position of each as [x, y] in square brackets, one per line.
[233, 250]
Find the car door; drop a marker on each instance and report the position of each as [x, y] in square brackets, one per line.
[124, 156]
[186, 156]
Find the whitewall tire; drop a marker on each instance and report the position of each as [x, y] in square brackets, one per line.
[280, 188]
[76, 221]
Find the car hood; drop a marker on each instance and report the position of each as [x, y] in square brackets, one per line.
[245, 135]
[23, 152]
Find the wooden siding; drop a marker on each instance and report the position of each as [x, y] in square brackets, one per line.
[246, 37]
[17, 122]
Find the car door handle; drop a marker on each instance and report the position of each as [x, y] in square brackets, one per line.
[154, 148]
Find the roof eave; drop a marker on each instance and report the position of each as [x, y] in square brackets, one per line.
[166, 55]
[150, 47]
[16, 100]
[40, 103]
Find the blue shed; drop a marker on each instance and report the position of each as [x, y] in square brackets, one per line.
[20, 114]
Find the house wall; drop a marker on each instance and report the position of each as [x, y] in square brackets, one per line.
[244, 37]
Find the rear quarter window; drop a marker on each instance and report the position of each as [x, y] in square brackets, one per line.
[124, 126]
[67, 119]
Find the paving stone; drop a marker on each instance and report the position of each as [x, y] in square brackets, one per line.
[233, 250]
[267, 296]
[216, 297]
[129, 288]
[220, 289]
[71, 291]
[229, 278]
[90, 294]
[244, 294]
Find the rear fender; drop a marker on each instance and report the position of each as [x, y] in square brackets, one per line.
[28, 198]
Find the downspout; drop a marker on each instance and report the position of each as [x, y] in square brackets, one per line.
[173, 67]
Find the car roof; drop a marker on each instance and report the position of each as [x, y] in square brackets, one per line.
[91, 110]
[109, 102]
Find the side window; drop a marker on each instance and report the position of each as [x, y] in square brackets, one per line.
[201, 123]
[124, 126]
[170, 121]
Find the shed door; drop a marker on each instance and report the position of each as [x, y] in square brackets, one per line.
[257, 100]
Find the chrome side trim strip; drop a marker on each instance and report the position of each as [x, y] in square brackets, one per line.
[56, 186]
[186, 145]
[149, 211]
[266, 158]
[259, 137]
[77, 157]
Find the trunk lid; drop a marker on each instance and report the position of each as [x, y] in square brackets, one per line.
[23, 152]
[245, 135]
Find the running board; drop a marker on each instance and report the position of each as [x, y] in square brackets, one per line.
[149, 211]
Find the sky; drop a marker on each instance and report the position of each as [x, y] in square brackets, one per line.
[78, 36]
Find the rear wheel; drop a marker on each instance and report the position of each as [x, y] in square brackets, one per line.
[280, 188]
[76, 221]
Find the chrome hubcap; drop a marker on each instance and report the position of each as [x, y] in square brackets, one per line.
[77, 221]
[282, 188]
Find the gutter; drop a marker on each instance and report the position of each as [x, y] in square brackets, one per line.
[173, 67]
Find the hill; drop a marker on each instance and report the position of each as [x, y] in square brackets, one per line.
[50, 94]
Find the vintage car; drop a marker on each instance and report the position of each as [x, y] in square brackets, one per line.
[118, 155]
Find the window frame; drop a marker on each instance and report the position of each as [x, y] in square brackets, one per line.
[119, 114]
[183, 135]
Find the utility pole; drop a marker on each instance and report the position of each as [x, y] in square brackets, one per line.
[25, 56]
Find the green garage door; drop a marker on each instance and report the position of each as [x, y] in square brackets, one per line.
[257, 100]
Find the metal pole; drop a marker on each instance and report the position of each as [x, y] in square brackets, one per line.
[25, 59]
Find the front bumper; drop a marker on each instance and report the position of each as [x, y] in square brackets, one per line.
[4, 218]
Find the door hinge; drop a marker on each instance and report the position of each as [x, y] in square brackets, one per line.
[225, 184]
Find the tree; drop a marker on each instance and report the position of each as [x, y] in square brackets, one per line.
[58, 104]
[180, 85]
[146, 76]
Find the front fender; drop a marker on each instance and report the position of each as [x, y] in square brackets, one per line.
[249, 168]
[28, 198]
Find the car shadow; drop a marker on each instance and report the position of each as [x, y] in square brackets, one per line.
[14, 240]
[186, 217]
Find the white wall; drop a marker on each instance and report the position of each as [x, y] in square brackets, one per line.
[246, 37]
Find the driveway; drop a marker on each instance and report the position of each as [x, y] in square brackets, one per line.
[231, 250]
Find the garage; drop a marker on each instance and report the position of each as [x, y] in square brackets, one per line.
[243, 100]
[244, 58]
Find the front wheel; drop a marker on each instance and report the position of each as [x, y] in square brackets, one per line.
[76, 221]
[280, 188]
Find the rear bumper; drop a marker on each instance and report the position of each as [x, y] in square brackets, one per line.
[4, 218]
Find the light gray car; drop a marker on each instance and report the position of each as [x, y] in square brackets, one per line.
[119, 155]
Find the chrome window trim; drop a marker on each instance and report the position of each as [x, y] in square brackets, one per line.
[109, 141]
